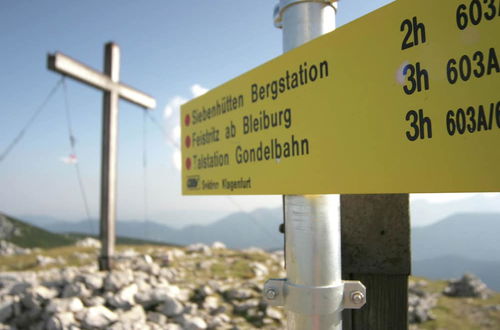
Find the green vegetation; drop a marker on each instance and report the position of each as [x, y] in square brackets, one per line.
[461, 313]
[70, 255]
[31, 236]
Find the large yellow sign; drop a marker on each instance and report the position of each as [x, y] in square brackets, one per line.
[405, 99]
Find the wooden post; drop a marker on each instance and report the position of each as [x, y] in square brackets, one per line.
[376, 251]
[108, 82]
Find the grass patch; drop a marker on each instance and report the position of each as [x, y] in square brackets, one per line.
[31, 236]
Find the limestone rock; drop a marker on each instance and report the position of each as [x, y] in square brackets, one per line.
[259, 269]
[239, 294]
[89, 242]
[6, 308]
[93, 301]
[76, 289]
[116, 280]
[61, 305]
[43, 261]
[170, 307]
[125, 297]
[92, 281]
[98, 317]
[10, 249]
[157, 318]
[420, 304]
[468, 286]
[218, 246]
[134, 315]
[189, 322]
[199, 248]
[61, 321]
[8, 229]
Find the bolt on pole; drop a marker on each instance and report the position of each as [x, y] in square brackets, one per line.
[312, 229]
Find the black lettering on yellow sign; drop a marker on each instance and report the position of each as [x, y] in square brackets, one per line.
[477, 66]
[473, 119]
[415, 34]
[475, 11]
[230, 130]
[206, 136]
[289, 80]
[237, 184]
[264, 121]
[418, 78]
[274, 149]
[212, 160]
[221, 107]
[419, 124]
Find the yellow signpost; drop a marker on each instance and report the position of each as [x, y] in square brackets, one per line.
[405, 99]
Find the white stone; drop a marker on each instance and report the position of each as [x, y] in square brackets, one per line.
[157, 318]
[121, 325]
[98, 317]
[211, 303]
[89, 242]
[93, 281]
[239, 294]
[218, 245]
[193, 323]
[93, 301]
[61, 321]
[118, 279]
[199, 248]
[43, 261]
[170, 307]
[259, 269]
[6, 309]
[274, 313]
[134, 315]
[76, 289]
[61, 305]
[125, 297]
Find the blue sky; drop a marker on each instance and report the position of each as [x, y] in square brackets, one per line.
[167, 47]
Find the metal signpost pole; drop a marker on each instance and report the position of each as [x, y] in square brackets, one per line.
[312, 223]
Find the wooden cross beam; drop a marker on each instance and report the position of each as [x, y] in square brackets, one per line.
[108, 82]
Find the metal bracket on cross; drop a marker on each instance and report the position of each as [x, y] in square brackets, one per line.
[315, 300]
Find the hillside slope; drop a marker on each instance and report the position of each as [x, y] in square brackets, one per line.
[28, 236]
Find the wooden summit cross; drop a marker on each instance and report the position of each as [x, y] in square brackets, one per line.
[113, 90]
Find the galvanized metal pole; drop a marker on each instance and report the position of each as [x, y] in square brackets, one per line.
[312, 223]
[109, 151]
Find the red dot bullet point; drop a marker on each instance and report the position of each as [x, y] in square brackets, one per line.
[188, 163]
[187, 141]
[187, 120]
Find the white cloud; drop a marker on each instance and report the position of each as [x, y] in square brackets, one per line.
[198, 90]
[173, 106]
[171, 113]
[176, 158]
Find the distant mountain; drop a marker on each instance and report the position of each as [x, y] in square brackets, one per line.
[28, 236]
[238, 230]
[472, 236]
[425, 213]
[446, 267]
[460, 243]
[171, 218]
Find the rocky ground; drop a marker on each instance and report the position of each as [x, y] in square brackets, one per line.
[196, 287]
